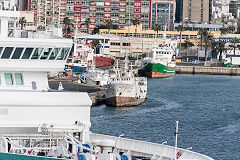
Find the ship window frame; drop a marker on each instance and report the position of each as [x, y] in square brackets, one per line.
[42, 54]
[58, 53]
[38, 56]
[1, 51]
[21, 79]
[7, 54]
[6, 80]
[33, 49]
[54, 58]
[64, 54]
[68, 52]
[20, 53]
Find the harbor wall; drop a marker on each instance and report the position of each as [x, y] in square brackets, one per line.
[208, 70]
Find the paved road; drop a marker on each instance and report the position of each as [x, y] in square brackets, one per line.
[71, 85]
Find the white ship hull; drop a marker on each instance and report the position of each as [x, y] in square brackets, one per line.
[126, 94]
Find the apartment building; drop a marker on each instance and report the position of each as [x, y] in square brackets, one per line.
[193, 11]
[162, 13]
[119, 12]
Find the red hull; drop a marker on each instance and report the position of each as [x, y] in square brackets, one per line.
[124, 101]
[102, 62]
[158, 74]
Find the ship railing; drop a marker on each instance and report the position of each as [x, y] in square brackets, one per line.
[147, 149]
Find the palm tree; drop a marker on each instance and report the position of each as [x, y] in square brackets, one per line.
[67, 23]
[231, 29]
[109, 26]
[200, 32]
[223, 30]
[187, 43]
[136, 22]
[180, 28]
[22, 21]
[219, 47]
[234, 43]
[95, 44]
[206, 41]
[87, 23]
[157, 28]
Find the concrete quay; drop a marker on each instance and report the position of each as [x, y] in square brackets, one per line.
[96, 93]
[208, 70]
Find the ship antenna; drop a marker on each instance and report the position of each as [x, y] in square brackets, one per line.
[75, 39]
[164, 34]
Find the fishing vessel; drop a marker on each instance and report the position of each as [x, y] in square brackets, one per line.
[125, 88]
[95, 76]
[161, 64]
[37, 123]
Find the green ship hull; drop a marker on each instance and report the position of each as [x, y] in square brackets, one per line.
[9, 156]
[156, 70]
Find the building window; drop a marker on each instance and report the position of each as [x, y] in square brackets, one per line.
[126, 44]
[8, 78]
[115, 44]
[18, 78]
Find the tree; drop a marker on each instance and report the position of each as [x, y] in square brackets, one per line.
[223, 30]
[233, 45]
[67, 25]
[219, 47]
[95, 44]
[157, 28]
[87, 23]
[187, 43]
[109, 26]
[180, 29]
[136, 22]
[231, 29]
[206, 41]
[200, 32]
[22, 21]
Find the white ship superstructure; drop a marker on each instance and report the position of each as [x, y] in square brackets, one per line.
[25, 63]
[96, 77]
[125, 89]
[36, 122]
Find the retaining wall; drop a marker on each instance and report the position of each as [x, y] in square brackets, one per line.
[208, 70]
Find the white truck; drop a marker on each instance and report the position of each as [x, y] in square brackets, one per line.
[232, 61]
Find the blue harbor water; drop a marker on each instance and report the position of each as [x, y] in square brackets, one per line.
[207, 108]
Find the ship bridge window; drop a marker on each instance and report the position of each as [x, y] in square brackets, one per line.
[7, 52]
[8, 78]
[17, 53]
[37, 53]
[63, 54]
[1, 48]
[27, 53]
[54, 53]
[46, 53]
[18, 78]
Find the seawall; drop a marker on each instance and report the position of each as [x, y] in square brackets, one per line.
[208, 70]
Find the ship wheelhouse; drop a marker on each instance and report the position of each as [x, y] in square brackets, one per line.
[25, 63]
